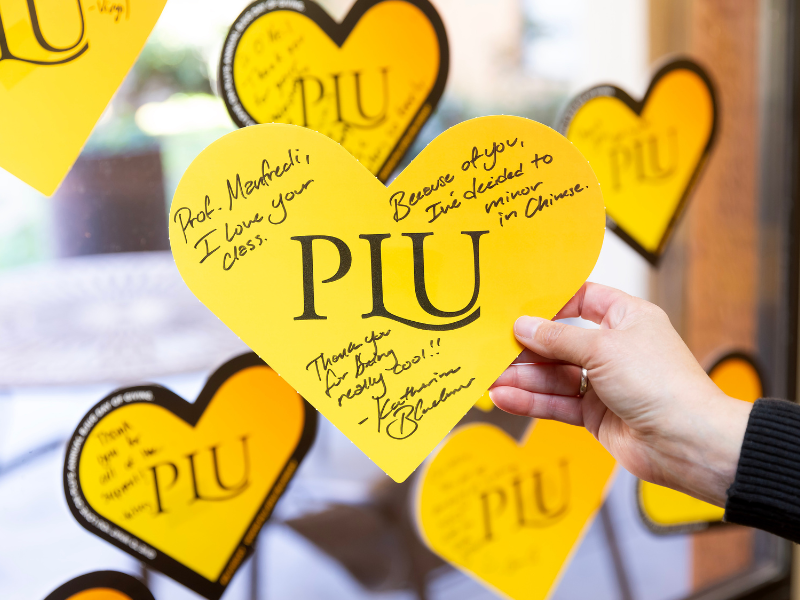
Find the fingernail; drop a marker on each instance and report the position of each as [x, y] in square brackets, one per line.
[491, 396]
[525, 327]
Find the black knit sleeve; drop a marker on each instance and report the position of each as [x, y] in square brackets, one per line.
[766, 490]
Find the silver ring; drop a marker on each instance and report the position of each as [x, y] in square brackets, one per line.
[584, 383]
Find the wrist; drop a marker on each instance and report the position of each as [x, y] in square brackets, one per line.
[701, 455]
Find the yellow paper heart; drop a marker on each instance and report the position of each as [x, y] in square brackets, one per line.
[185, 487]
[60, 63]
[102, 585]
[649, 154]
[485, 403]
[665, 510]
[389, 309]
[369, 83]
[511, 515]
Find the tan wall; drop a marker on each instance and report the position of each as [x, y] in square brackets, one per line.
[709, 277]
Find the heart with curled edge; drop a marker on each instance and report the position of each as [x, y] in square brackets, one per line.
[511, 515]
[370, 82]
[390, 309]
[60, 64]
[102, 585]
[186, 487]
[648, 154]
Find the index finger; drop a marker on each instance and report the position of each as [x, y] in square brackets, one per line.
[592, 302]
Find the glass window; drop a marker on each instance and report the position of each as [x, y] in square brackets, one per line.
[90, 299]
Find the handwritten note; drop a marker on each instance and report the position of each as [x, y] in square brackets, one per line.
[647, 154]
[369, 83]
[389, 309]
[102, 585]
[511, 515]
[665, 510]
[185, 487]
[60, 63]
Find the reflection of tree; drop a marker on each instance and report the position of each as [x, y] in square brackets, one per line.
[532, 28]
[377, 541]
[163, 70]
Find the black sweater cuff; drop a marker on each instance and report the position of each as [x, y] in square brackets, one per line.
[766, 490]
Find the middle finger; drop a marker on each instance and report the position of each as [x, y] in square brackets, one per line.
[542, 378]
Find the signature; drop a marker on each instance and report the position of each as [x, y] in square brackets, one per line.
[405, 414]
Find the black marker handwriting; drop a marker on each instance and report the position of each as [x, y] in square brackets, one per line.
[322, 364]
[267, 173]
[481, 188]
[412, 391]
[487, 154]
[406, 417]
[501, 201]
[187, 220]
[280, 202]
[542, 203]
[239, 251]
[402, 207]
[239, 228]
[361, 387]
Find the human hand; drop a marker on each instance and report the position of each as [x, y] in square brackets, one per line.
[650, 403]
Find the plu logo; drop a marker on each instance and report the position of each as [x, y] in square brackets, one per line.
[511, 514]
[26, 37]
[378, 307]
[369, 82]
[390, 308]
[185, 487]
[310, 91]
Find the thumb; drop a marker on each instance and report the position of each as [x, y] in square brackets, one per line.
[555, 340]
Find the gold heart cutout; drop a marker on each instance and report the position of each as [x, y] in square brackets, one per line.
[389, 309]
[186, 487]
[511, 515]
[60, 64]
[370, 82]
[102, 585]
[666, 511]
[647, 154]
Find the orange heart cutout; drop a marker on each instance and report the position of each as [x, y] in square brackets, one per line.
[485, 403]
[512, 515]
[102, 585]
[665, 510]
[389, 308]
[370, 82]
[60, 64]
[186, 487]
[647, 154]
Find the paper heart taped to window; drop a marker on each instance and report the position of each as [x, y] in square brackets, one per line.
[370, 82]
[647, 154]
[60, 64]
[102, 585]
[509, 514]
[186, 487]
[389, 309]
